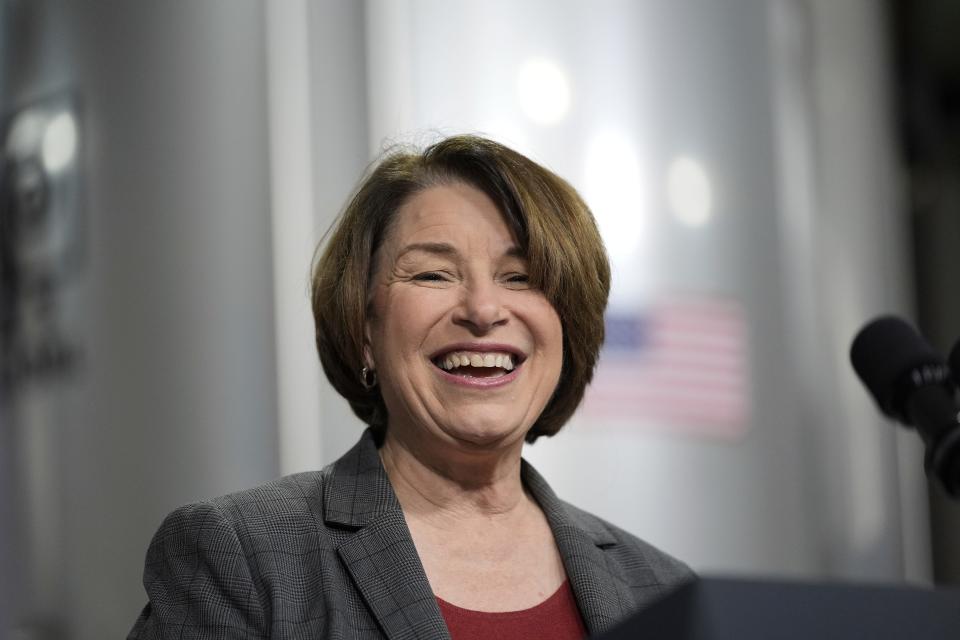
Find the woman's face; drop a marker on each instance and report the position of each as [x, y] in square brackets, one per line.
[465, 350]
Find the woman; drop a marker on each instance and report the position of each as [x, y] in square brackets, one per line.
[459, 309]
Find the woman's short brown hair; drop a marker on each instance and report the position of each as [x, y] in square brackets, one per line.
[549, 219]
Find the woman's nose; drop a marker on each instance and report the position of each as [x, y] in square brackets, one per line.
[481, 307]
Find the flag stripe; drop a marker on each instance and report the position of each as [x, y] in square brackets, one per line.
[681, 362]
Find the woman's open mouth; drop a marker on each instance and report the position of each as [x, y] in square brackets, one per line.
[478, 364]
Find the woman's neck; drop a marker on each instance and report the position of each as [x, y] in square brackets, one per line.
[432, 481]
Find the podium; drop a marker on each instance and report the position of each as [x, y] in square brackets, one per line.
[732, 609]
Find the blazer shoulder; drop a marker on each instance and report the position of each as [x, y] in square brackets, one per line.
[196, 577]
[631, 552]
[292, 501]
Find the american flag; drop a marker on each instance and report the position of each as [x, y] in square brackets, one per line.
[681, 364]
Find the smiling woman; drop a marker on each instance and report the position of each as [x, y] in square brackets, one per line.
[451, 282]
[459, 308]
[551, 231]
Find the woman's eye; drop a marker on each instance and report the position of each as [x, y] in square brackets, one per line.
[430, 276]
[518, 278]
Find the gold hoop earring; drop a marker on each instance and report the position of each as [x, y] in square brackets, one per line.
[368, 378]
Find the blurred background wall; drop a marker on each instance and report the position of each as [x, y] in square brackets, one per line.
[768, 175]
[171, 394]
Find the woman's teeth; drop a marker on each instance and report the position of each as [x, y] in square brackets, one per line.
[473, 359]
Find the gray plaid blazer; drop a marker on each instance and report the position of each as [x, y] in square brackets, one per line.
[327, 554]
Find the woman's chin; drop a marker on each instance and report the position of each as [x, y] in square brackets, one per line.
[484, 436]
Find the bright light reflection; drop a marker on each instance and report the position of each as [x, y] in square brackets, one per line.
[614, 191]
[59, 142]
[688, 192]
[543, 91]
[24, 134]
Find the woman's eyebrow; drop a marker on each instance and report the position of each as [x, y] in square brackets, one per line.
[445, 249]
[437, 248]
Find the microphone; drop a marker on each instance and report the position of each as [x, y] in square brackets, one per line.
[911, 383]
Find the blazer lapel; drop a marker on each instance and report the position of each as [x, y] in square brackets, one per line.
[603, 593]
[384, 565]
[380, 555]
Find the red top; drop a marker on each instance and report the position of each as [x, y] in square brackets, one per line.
[556, 618]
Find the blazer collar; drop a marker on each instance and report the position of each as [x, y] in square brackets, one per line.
[357, 489]
[383, 561]
[603, 592]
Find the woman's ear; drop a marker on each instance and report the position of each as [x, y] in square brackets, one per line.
[368, 360]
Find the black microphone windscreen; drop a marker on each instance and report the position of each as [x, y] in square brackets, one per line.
[883, 352]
